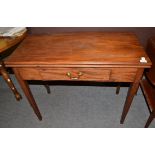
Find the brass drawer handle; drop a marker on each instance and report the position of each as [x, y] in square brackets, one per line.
[69, 74]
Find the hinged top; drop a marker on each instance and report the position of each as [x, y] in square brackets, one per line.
[80, 49]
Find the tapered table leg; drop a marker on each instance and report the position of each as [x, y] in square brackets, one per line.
[131, 93]
[8, 80]
[28, 94]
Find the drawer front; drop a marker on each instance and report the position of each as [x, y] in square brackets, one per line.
[81, 74]
[123, 74]
[85, 74]
[30, 73]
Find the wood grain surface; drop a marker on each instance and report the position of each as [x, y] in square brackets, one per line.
[82, 48]
[88, 74]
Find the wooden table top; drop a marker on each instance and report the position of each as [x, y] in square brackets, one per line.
[80, 48]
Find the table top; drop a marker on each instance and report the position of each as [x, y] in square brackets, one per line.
[80, 48]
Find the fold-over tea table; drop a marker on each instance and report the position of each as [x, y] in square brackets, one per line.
[80, 56]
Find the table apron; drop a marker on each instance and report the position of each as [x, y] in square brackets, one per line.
[78, 74]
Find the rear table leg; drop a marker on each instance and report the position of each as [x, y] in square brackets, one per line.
[118, 88]
[47, 88]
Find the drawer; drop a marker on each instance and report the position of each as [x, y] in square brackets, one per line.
[85, 74]
[82, 74]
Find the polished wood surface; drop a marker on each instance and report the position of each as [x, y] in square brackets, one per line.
[88, 73]
[82, 56]
[119, 49]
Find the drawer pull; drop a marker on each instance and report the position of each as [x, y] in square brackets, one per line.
[69, 74]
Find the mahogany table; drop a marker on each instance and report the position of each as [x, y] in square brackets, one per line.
[80, 56]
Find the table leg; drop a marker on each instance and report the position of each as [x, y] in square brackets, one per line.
[118, 88]
[131, 93]
[47, 88]
[28, 94]
[8, 80]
